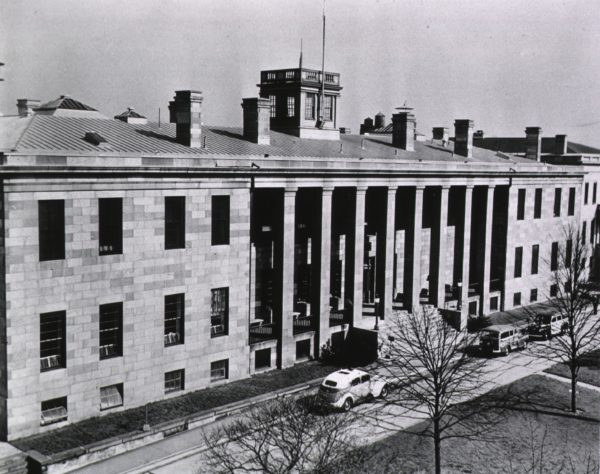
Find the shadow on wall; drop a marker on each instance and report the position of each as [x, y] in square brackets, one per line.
[358, 348]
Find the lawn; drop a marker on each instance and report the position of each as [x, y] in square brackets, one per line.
[588, 373]
[539, 434]
[132, 420]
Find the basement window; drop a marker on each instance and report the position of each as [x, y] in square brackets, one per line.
[174, 381]
[219, 370]
[111, 396]
[54, 411]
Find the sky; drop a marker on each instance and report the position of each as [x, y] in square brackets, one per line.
[505, 64]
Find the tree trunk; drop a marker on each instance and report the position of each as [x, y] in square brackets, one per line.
[436, 446]
[573, 392]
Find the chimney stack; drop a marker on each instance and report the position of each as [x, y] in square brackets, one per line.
[25, 106]
[533, 143]
[440, 133]
[257, 118]
[463, 137]
[185, 111]
[403, 129]
[560, 144]
[379, 120]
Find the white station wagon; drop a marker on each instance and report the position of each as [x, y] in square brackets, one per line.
[348, 387]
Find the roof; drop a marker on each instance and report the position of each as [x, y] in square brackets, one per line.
[64, 102]
[129, 113]
[517, 145]
[55, 134]
[344, 376]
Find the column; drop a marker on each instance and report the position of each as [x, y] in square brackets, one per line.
[359, 255]
[286, 340]
[466, 256]
[324, 268]
[417, 224]
[487, 252]
[440, 273]
[390, 235]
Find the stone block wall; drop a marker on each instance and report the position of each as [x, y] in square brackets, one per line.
[140, 278]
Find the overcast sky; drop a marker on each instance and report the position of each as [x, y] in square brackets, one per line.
[504, 64]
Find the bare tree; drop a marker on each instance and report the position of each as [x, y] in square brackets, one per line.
[428, 352]
[571, 298]
[284, 436]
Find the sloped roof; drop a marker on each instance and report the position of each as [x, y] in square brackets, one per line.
[517, 145]
[64, 102]
[129, 113]
[66, 134]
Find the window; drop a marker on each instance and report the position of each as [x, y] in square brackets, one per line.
[533, 295]
[568, 252]
[571, 210]
[517, 299]
[303, 349]
[174, 319]
[220, 220]
[51, 222]
[586, 190]
[273, 105]
[111, 396]
[174, 222]
[53, 411]
[328, 107]
[592, 230]
[110, 226]
[291, 106]
[583, 232]
[594, 189]
[557, 196]
[111, 330]
[518, 261]
[174, 381]
[309, 106]
[219, 370]
[219, 312]
[554, 257]
[494, 303]
[537, 208]
[553, 290]
[535, 256]
[521, 204]
[262, 359]
[53, 340]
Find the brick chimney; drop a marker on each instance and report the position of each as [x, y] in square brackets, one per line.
[403, 129]
[440, 133]
[257, 119]
[379, 120]
[25, 106]
[533, 143]
[560, 144]
[185, 111]
[463, 137]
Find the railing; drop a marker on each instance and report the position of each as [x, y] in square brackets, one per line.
[264, 332]
[310, 75]
[337, 318]
[303, 324]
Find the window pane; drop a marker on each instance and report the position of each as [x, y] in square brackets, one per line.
[309, 107]
[328, 107]
[537, 210]
[273, 105]
[557, 203]
[51, 221]
[220, 220]
[111, 330]
[535, 254]
[174, 222]
[219, 307]
[291, 106]
[521, 204]
[174, 381]
[52, 340]
[518, 261]
[554, 257]
[219, 370]
[111, 396]
[110, 226]
[571, 210]
[53, 411]
[174, 319]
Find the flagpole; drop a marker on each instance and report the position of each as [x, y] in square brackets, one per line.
[321, 102]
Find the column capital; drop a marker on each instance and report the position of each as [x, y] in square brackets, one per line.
[290, 189]
[469, 186]
[445, 187]
[327, 189]
[420, 187]
[361, 189]
[392, 189]
[491, 186]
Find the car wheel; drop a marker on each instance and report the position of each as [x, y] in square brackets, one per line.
[347, 404]
[384, 392]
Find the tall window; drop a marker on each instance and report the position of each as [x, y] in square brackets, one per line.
[174, 381]
[568, 252]
[309, 106]
[110, 225]
[219, 370]
[53, 340]
[533, 295]
[111, 330]
[535, 255]
[521, 205]
[219, 312]
[518, 261]
[53, 411]
[220, 220]
[571, 210]
[517, 299]
[174, 319]
[594, 189]
[51, 223]
[328, 107]
[537, 208]
[557, 196]
[554, 257]
[592, 230]
[291, 106]
[273, 105]
[586, 190]
[583, 232]
[174, 222]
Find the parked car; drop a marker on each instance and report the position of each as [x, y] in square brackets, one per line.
[548, 325]
[347, 387]
[503, 338]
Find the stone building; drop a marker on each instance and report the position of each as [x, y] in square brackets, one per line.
[145, 260]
